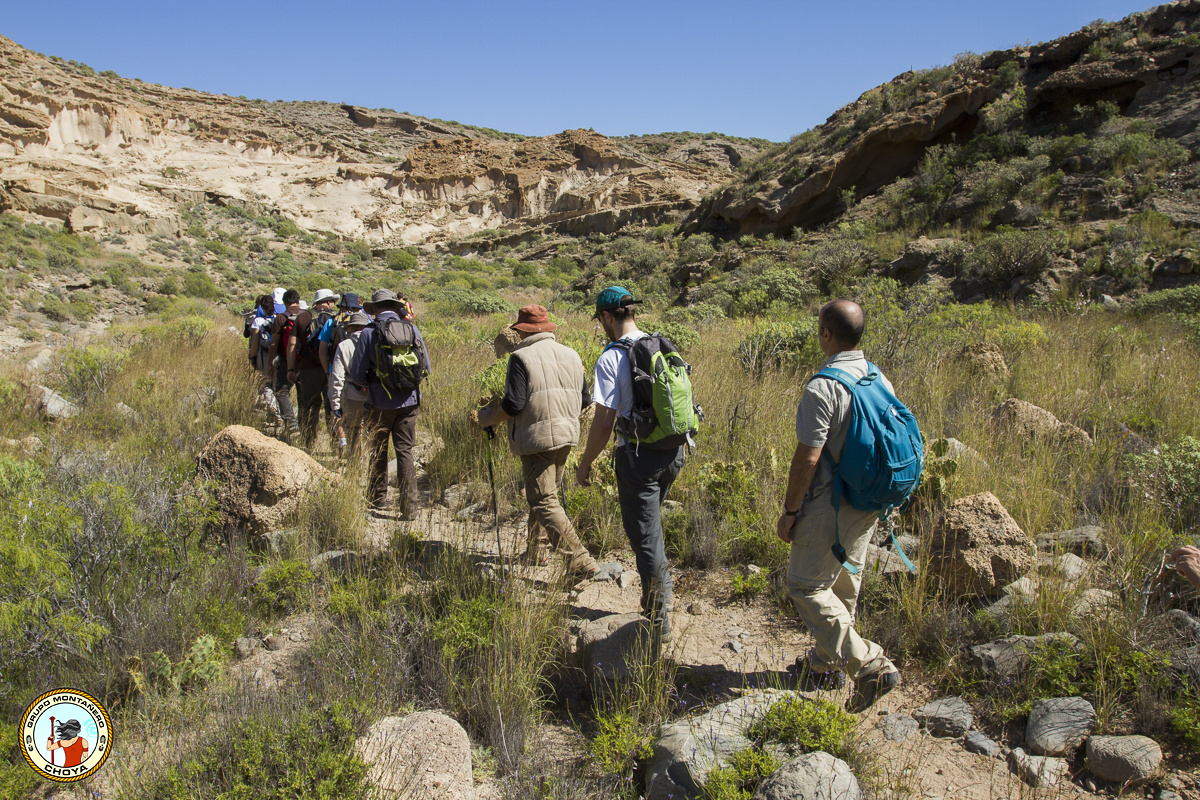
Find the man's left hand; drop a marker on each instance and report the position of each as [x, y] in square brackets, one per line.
[783, 528]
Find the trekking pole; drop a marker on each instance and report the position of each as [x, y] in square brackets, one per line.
[52, 741]
[491, 434]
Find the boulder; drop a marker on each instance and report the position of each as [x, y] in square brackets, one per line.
[983, 359]
[898, 727]
[883, 562]
[1067, 566]
[1086, 541]
[427, 751]
[978, 548]
[339, 562]
[1127, 760]
[1093, 601]
[976, 742]
[1059, 725]
[688, 749]
[1038, 771]
[41, 362]
[1030, 423]
[259, 481]
[1187, 626]
[608, 571]
[924, 255]
[609, 647]
[51, 405]
[1005, 658]
[814, 776]
[245, 646]
[950, 716]
[964, 454]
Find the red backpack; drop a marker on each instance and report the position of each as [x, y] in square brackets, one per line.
[285, 332]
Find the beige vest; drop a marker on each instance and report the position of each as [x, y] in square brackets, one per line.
[550, 419]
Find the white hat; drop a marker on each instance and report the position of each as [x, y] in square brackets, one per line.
[323, 295]
[303, 306]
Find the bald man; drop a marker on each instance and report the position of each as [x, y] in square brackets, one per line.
[823, 592]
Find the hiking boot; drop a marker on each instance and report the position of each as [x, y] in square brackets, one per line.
[810, 680]
[532, 557]
[870, 688]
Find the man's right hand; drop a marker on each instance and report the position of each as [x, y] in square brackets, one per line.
[783, 528]
[583, 474]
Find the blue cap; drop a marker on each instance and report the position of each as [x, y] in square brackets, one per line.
[614, 297]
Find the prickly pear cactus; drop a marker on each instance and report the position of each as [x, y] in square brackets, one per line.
[201, 665]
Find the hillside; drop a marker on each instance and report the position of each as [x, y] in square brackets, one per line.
[106, 154]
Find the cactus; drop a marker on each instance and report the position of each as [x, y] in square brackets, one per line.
[201, 665]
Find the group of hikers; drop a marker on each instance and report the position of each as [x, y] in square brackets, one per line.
[364, 363]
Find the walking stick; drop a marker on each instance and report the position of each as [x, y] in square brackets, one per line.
[52, 741]
[491, 434]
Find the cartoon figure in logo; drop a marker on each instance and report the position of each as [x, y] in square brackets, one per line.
[74, 746]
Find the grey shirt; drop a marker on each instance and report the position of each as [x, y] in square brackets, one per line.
[823, 418]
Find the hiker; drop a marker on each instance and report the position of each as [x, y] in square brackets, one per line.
[824, 592]
[282, 325]
[644, 471]
[348, 401]
[259, 333]
[1187, 562]
[304, 364]
[544, 392]
[389, 363]
[333, 332]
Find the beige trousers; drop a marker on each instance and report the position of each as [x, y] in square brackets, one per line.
[543, 472]
[825, 594]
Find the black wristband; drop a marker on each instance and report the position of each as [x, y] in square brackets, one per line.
[787, 513]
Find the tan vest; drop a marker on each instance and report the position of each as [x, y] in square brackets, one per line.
[550, 419]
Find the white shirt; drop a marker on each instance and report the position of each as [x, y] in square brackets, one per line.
[613, 384]
[339, 388]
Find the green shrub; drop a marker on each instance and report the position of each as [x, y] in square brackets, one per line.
[199, 667]
[1170, 475]
[770, 345]
[1185, 721]
[620, 743]
[1130, 145]
[199, 284]
[745, 771]
[456, 300]
[807, 725]
[695, 248]
[55, 308]
[748, 586]
[401, 260]
[680, 335]
[90, 371]
[283, 588]
[1012, 254]
[1169, 301]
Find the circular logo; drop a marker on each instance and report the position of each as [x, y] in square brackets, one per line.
[66, 735]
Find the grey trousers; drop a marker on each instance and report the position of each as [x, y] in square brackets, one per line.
[643, 478]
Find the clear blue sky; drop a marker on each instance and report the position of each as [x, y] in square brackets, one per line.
[768, 69]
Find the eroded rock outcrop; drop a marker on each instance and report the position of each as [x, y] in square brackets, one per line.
[978, 548]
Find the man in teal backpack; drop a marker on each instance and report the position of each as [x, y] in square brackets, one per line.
[858, 455]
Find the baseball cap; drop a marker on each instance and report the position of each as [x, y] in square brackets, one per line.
[614, 297]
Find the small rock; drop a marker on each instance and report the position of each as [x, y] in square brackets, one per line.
[671, 506]
[1023, 587]
[1092, 601]
[272, 541]
[950, 716]
[898, 727]
[259, 674]
[1167, 794]
[733, 630]
[52, 405]
[339, 562]
[625, 580]
[1037, 771]
[1086, 541]
[1110, 303]
[426, 754]
[245, 646]
[127, 412]
[1130, 760]
[610, 571]
[471, 510]
[1059, 725]
[735, 646]
[699, 608]
[1187, 626]
[275, 642]
[31, 445]
[1006, 657]
[456, 496]
[295, 637]
[751, 569]
[977, 742]
[1069, 566]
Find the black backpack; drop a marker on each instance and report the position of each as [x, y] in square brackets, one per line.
[398, 356]
[315, 324]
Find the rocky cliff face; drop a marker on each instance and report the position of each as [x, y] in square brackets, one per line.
[103, 153]
[1146, 66]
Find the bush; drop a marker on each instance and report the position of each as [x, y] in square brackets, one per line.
[199, 284]
[1130, 145]
[89, 371]
[401, 260]
[283, 587]
[1170, 475]
[1169, 301]
[777, 344]
[746, 770]
[695, 248]
[808, 725]
[55, 308]
[456, 300]
[680, 335]
[619, 744]
[838, 260]
[1013, 254]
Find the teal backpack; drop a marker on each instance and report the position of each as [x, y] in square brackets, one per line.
[883, 456]
[664, 415]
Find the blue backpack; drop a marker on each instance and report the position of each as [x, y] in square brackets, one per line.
[883, 456]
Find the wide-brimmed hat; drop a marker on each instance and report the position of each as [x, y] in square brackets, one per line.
[358, 319]
[384, 296]
[533, 319]
[614, 297]
[350, 300]
[324, 294]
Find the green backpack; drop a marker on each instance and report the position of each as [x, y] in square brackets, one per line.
[398, 356]
[665, 414]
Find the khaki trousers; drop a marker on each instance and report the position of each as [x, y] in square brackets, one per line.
[825, 594]
[543, 474]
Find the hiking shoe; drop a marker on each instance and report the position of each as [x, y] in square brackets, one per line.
[870, 688]
[581, 574]
[810, 680]
[533, 558]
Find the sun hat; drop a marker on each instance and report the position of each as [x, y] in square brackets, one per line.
[277, 298]
[324, 294]
[358, 319]
[614, 297]
[533, 319]
[384, 296]
[350, 300]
